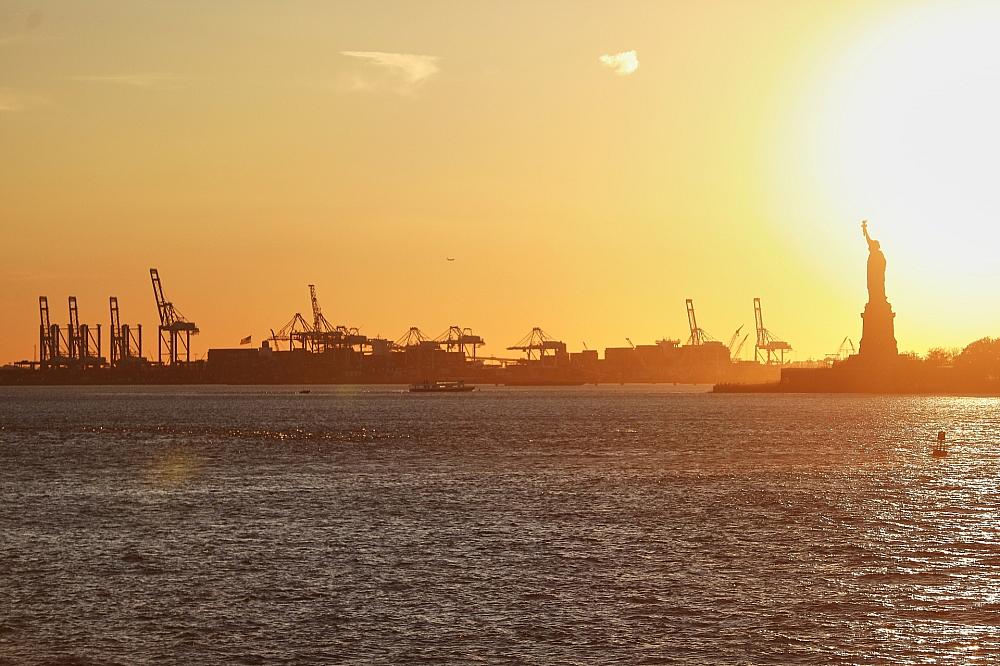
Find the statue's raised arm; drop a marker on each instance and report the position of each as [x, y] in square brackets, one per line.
[864, 229]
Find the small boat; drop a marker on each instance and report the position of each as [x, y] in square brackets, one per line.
[441, 387]
[304, 391]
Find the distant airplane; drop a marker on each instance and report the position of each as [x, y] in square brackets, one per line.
[450, 258]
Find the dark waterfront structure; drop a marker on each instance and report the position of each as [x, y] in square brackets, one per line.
[877, 367]
[384, 362]
[318, 352]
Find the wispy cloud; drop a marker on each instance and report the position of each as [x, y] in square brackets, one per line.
[622, 64]
[16, 100]
[146, 80]
[398, 72]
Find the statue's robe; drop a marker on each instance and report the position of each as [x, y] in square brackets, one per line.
[876, 275]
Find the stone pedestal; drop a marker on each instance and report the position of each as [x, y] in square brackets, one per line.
[878, 337]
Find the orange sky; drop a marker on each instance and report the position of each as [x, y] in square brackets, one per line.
[248, 149]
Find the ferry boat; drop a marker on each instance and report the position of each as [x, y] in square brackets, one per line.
[441, 387]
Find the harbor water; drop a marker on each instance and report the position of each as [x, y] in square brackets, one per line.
[605, 525]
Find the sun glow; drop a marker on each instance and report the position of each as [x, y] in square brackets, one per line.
[897, 122]
[912, 141]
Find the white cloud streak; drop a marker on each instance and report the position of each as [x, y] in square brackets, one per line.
[397, 72]
[622, 64]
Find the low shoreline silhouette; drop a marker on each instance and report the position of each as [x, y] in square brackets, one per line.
[878, 367]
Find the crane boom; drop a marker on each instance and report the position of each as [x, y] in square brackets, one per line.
[739, 347]
[116, 332]
[317, 313]
[695, 338]
[74, 329]
[732, 340]
[320, 323]
[74, 316]
[759, 319]
[46, 341]
[162, 305]
[43, 311]
[115, 319]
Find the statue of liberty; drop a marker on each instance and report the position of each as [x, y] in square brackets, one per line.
[878, 338]
[876, 268]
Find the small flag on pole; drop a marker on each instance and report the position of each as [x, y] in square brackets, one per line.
[246, 340]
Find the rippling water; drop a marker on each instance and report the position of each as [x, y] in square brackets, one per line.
[589, 525]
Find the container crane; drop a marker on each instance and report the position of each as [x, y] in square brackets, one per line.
[413, 337]
[768, 349]
[53, 341]
[126, 344]
[326, 335]
[48, 343]
[175, 330]
[460, 339]
[539, 343]
[297, 330]
[316, 336]
[845, 350]
[73, 332]
[84, 344]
